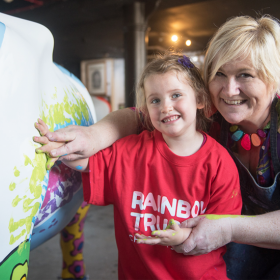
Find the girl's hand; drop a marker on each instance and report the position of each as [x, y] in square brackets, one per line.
[47, 145]
[172, 235]
[209, 232]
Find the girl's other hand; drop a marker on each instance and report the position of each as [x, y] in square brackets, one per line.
[172, 235]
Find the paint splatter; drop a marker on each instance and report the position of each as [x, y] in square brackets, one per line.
[217, 217]
[28, 203]
[16, 172]
[79, 167]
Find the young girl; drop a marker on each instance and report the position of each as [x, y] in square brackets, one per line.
[173, 171]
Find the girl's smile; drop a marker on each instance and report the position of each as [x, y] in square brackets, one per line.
[170, 119]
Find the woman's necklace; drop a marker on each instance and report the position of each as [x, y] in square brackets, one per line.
[247, 140]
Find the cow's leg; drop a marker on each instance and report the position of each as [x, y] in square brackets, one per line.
[72, 243]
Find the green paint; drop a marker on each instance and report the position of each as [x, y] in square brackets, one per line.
[19, 258]
[73, 107]
[16, 200]
[12, 186]
[14, 239]
[27, 160]
[20, 272]
[155, 232]
[50, 163]
[24, 179]
[56, 113]
[174, 233]
[38, 151]
[29, 203]
[16, 172]
[217, 217]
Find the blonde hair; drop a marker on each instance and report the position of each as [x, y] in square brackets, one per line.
[163, 64]
[242, 37]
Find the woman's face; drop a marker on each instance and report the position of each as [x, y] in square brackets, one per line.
[241, 96]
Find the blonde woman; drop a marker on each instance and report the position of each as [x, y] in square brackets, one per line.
[242, 72]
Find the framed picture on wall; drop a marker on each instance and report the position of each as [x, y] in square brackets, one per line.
[94, 76]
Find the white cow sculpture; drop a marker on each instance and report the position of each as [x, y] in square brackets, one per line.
[35, 204]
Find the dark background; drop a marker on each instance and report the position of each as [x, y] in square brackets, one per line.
[93, 29]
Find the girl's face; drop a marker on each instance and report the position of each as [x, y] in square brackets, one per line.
[240, 95]
[171, 104]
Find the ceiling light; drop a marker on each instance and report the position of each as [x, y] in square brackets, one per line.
[188, 42]
[174, 38]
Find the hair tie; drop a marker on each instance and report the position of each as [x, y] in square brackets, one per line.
[185, 61]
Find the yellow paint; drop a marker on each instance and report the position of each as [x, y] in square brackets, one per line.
[234, 193]
[68, 246]
[57, 112]
[29, 203]
[16, 172]
[217, 217]
[12, 186]
[75, 108]
[16, 200]
[24, 179]
[27, 160]
[22, 246]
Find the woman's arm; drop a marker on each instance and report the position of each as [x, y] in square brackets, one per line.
[211, 232]
[83, 142]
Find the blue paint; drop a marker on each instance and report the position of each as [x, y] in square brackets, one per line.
[66, 72]
[2, 32]
[79, 167]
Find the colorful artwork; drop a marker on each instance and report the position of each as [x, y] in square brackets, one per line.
[35, 204]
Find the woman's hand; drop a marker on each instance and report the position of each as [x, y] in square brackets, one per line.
[81, 142]
[209, 233]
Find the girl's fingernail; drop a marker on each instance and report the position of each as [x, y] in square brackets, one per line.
[35, 124]
[50, 165]
[53, 153]
[35, 138]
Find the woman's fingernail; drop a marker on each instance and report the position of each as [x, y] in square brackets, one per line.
[35, 124]
[35, 138]
[53, 153]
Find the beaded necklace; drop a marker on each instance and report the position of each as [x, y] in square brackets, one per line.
[247, 140]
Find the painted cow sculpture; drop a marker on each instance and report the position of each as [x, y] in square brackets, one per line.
[35, 204]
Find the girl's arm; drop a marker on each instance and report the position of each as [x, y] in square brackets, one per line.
[83, 142]
[210, 233]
